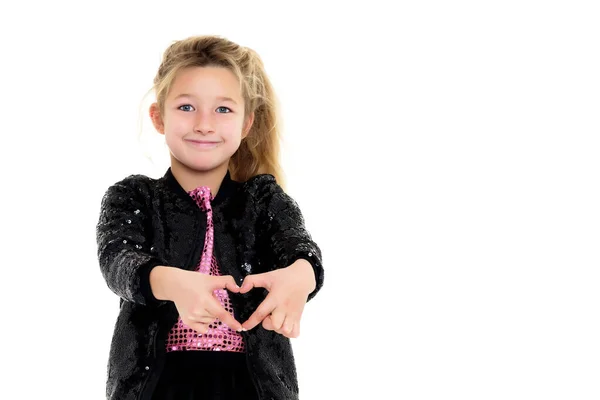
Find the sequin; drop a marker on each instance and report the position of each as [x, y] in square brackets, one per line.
[219, 336]
[247, 267]
[128, 221]
[124, 241]
[136, 212]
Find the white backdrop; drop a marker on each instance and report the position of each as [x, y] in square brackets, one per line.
[444, 154]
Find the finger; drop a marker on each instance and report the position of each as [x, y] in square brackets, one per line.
[215, 308]
[268, 323]
[291, 320]
[257, 280]
[296, 330]
[197, 313]
[202, 319]
[205, 318]
[287, 327]
[225, 282]
[277, 316]
[199, 327]
[264, 309]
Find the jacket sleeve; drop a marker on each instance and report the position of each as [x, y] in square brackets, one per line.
[284, 230]
[123, 238]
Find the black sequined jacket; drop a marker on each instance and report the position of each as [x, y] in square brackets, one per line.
[146, 222]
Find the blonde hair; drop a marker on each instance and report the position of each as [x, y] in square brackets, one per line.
[259, 151]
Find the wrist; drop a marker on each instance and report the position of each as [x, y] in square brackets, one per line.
[305, 269]
[162, 279]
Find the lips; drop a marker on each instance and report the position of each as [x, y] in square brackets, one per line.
[203, 144]
[201, 141]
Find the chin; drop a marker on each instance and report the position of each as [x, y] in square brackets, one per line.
[200, 163]
[203, 166]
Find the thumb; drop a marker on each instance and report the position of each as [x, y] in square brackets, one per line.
[257, 280]
[225, 282]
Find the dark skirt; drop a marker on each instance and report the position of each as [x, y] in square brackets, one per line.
[210, 375]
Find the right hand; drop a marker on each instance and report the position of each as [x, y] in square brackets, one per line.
[198, 307]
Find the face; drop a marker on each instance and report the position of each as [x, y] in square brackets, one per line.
[203, 118]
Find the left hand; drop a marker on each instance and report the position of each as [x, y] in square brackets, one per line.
[288, 290]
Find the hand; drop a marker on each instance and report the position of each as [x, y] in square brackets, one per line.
[288, 291]
[193, 295]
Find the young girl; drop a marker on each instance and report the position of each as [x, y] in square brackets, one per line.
[212, 262]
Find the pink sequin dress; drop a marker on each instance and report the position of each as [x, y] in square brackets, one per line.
[219, 336]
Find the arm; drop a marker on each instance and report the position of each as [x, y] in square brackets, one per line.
[284, 232]
[123, 238]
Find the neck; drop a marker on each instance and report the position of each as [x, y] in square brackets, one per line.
[190, 179]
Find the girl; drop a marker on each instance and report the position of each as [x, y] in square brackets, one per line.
[212, 262]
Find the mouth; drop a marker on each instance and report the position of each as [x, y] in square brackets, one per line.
[202, 144]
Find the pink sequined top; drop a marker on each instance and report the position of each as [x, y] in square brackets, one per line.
[219, 336]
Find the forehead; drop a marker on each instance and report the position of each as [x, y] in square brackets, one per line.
[204, 82]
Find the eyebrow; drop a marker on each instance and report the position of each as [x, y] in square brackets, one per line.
[221, 98]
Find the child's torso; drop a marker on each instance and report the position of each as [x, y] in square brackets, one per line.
[219, 336]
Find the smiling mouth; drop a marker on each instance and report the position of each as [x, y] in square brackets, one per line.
[203, 144]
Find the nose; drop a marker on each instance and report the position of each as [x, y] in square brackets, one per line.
[204, 122]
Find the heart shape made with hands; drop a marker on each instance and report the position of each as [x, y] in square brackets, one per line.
[282, 308]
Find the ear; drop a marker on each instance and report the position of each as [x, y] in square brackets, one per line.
[247, 125]
[157, 118]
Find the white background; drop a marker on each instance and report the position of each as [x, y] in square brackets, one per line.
[444, 155]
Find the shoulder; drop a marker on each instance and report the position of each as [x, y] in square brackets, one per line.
[136, 180]
[259, 181]
[268, 194]
[262, 187]
[132, 186]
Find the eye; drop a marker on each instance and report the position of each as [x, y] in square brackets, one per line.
[185, 105]
[218, 108]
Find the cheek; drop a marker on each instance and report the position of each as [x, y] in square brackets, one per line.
[232, 129]
[176, 125]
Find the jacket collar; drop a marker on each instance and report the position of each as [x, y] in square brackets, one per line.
[225, 190]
